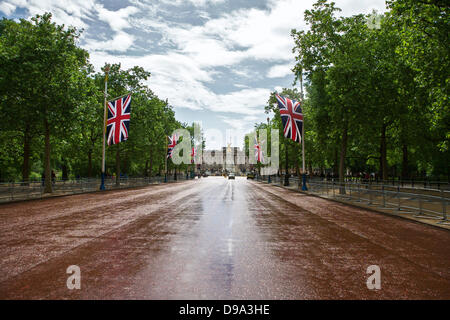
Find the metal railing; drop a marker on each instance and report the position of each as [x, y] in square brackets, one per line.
[16, 191]
[416, 184]
[421, 202]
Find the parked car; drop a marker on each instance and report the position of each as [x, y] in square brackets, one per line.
[231, 176]
[250, 175]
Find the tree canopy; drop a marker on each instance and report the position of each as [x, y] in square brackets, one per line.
[52, 105]
[376, 94]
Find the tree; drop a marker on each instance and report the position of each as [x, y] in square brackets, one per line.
[42, 58]
[423, 27]
[334, 46]
[50, 95]
[376, 92]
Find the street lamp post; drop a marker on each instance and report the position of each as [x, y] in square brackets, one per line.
[268, 179]
[166, 168]
[304, 188]
[286, 176]
[102, 185]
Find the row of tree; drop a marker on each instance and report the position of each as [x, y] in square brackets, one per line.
[377, 91]
[51, 102]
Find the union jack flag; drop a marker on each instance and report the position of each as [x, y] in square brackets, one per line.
[193, 154]
[292, 118]
[118, 122]
[172, 143]
[259, 155]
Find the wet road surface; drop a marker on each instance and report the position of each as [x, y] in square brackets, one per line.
[215, 238]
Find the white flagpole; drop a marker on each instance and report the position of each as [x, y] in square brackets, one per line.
[102, 186]
[303, 146]
[165, 173]
[304, 188]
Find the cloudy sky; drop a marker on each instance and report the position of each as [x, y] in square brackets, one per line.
[216, 61]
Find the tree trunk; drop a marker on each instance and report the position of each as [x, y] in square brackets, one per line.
[297, 168]
[342, 158]
[48, 171]
[383, 154]
[150, 165]
[118, 165]
[26, 156]
[286, 159]
[146, 169]
[405, 169]
[65, 173]
[90, 163]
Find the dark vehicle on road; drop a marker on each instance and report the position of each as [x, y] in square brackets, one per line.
[250, 175]
[206, 174]
[231, 176]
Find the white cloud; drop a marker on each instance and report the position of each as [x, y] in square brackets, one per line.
[121, 41]
[174, 76]
[70, 13]
[244, 72]
[206, 50]
[124, 39]
[242, 41]
[351, 7]
[280, 70]
[278, 88]
[178, 78]
[246, 101]
[198, 3]
[183, 73]
[233, 37]
[117, 20]
[205, 2]
[75, 12]
[7, 8]
[239, 122]
[239, 127]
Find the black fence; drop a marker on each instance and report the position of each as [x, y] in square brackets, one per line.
[429, 202]
[16, 191]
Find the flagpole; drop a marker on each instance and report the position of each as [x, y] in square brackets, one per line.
[165, 175]
[268, 173]
[102, 185]
[303, 146]
[304, 188]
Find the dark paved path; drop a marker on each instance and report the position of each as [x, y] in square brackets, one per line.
[215, 239]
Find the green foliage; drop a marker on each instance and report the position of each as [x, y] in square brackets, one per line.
[377, 94]
[49, 92]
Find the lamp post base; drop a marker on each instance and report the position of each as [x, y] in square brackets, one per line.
[304, 188]
[102, 184]
[286, 180]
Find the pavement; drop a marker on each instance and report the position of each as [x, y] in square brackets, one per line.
[215, 238]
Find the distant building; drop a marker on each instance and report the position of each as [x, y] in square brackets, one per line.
[229, 159]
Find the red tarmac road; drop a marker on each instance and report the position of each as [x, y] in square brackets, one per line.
[215, 238]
